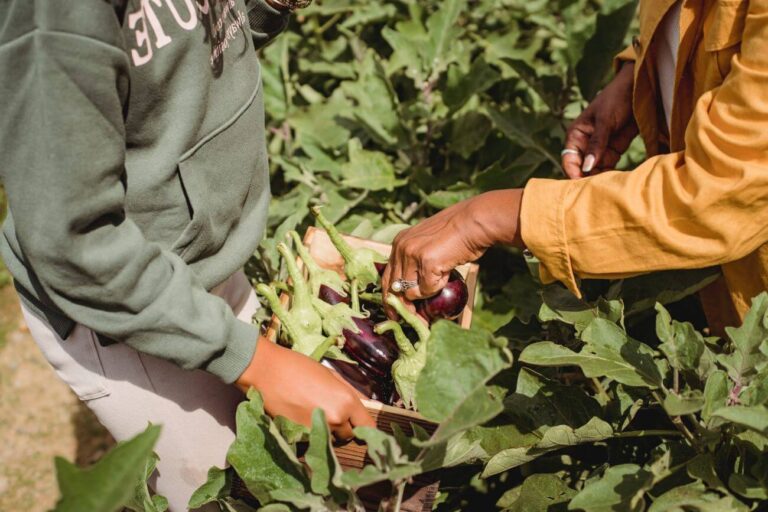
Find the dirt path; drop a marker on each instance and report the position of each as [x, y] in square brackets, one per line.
[40, 418]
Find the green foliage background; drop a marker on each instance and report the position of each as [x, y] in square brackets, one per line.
[389, 111]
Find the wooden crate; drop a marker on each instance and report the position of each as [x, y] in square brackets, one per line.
[419, 495]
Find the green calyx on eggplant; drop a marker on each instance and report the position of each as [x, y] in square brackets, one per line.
[360, 264]
[408, 366]
[305, 339]
[448, 303]
[373, 351]
[415, 321]
[319, 278]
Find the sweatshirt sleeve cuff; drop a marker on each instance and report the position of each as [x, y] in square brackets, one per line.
[542, 222]
[237, 355]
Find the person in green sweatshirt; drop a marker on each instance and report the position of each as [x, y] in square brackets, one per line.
[134, 161]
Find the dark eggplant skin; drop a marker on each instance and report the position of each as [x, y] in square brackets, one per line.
[449, 303]
[331, 296]
[376, 352]
[358, 377]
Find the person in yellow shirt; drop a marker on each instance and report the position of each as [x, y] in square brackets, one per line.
[694, 84]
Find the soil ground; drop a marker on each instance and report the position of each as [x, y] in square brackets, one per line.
[40, 418]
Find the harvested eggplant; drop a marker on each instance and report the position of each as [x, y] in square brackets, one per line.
[449, 303]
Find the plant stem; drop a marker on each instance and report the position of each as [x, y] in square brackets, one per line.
[372, 297]
[354, 296]
[403, 343]
[341, 245]
[320, 351]
[678, 423]
[648, 433]
[413, 319]
[676, 380]
[601, 390]
[400, 493]
[301, 292]
[309, 261]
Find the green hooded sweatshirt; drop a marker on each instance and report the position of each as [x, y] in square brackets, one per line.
[132, 151]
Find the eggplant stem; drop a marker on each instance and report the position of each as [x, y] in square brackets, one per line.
[312, 266]
[403, 343]
[372, 297]
[338, 241]
[300, 286]
[278, 309]
[320, 351]
[354, 296]
[411, 318]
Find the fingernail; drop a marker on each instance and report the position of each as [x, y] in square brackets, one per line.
[589, 162]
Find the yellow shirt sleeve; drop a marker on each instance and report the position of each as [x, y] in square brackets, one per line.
[626, 55]
[703, 206]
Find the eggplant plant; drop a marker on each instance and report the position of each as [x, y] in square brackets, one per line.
[360, 264]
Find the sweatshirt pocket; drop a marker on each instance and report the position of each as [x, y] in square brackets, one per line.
[218, 176]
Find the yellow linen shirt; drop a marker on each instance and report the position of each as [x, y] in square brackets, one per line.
[701, 198]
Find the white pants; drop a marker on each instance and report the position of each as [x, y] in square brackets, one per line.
[127, 389]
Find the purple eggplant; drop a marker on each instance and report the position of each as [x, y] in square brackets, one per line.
[447, 304]
[361, 380]
[331, 296]
[376, 352]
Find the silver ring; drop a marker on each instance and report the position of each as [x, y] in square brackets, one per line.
[569, 151]
[400, 285]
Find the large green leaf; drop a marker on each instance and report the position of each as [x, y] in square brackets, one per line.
[217, 486]
[742, 363]
[607, 352]
[444, 32]
[368, 170]
[553, 439]
[261, 457]
[538, 493]
[622, 488]
[682, 345]
[452, 389]
[753, 418]
[143, 500]
[605, 43]
[322, 461]
[109, 484]
[695, 496]
[562, 305]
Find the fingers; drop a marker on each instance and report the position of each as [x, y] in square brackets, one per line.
[354, 415]
[598, 143]
[391, 272]
[343, 432]
[577, 139]
[360, 417]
